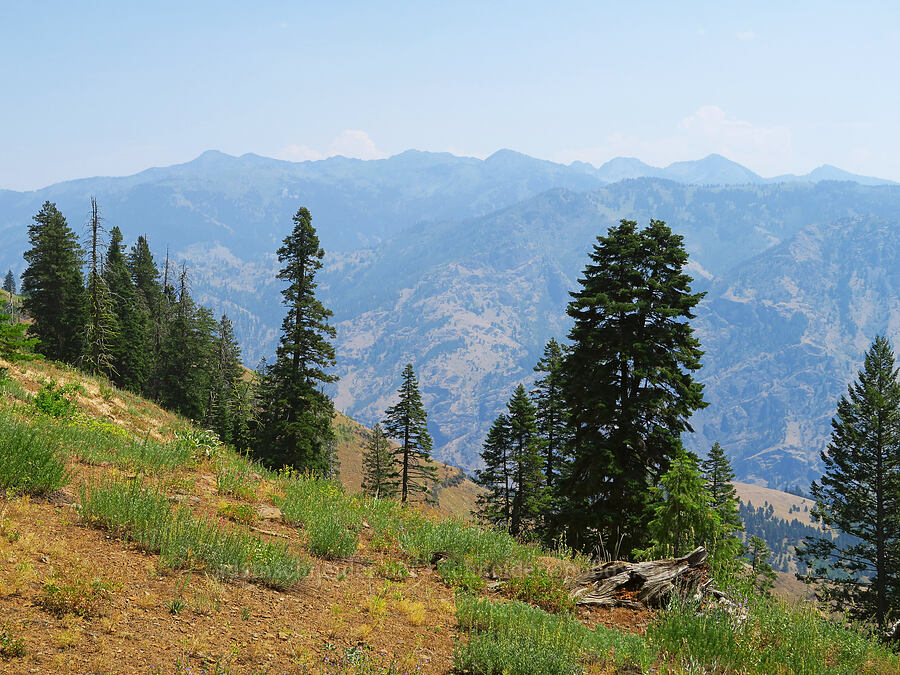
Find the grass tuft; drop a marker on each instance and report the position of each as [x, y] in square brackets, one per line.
[28, 463]
[143, 515]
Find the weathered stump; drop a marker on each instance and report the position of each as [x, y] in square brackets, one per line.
[644, 584]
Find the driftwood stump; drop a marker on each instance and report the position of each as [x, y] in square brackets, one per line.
[644, 584]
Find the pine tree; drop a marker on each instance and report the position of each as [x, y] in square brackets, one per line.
[763, 575]
[627, 380]
[101, 329]
[407, 423]
[529, 497]
[14, 344]
[516, 496]
[153, 305]
[225, 372]
[380, 474]
[859, 495]
[719, 484]
[295, 420]
[9, 285]
[53, 287]
[129, 347]
[186, 356]
[683, 518]
[552, 416]
[495, 505]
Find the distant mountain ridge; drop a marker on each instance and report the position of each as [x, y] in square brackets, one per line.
[463, 266]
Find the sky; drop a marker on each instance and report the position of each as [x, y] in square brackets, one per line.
[112, 88]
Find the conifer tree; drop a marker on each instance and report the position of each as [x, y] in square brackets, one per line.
[495, 505]
[15, 345]
[380, 474]
[552, 417]
[627, 380]
[859, 494]
[224, 373]
[516, 496]
[153, 305]
[9, 285]
[529, 497]
[53, 286]
[719, 484]
[186, 356]
[130, 347]
[295, 421]
[101, 329]
[763, 575]
[406, 422]
[683, 518]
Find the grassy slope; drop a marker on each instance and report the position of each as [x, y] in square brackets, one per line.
[352, 614]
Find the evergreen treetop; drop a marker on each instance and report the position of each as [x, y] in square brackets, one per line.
[380, 475]
[406, 422]
[53, 286]
[719, 484]
[628, 381]
[859, 494]
[9, 283]
[552, 415]
[294, 427]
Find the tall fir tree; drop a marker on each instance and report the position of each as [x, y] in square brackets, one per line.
[763, 576]
[720, 485]
[53, 286]
[380, 475]
[407, 423]
[516, 496]
[552, 416]
[294, 427]
[153, 305]
[627, 381]
[225, 373]
[186, 356]
[859, 494]
[9, 285]
[101, 328]
[495, 504]
[130, 346]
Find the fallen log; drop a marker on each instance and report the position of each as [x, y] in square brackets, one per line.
[644, 584]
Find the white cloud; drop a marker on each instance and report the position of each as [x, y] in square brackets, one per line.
[746, 35]
[299, 153]
[355, 143]
[707, 130]
[350, 143]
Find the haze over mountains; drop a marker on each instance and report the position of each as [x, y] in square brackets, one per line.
[463, 267]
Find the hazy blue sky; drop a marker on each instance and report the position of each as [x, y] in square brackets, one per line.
[105, 88]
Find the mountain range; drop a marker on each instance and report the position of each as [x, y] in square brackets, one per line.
[463, 267]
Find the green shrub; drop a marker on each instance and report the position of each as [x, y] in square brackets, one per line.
[57, 400]
[240, 513]
[28, 462]
[541, 588]
[235, 476]
[469, 551]
[515, 638]
[78, 597]
[328, 516]
[766, 635]
[143, 515]
[11, 647]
